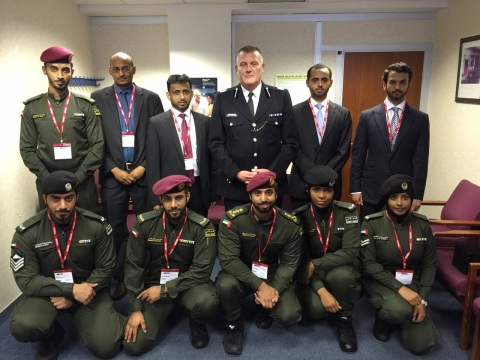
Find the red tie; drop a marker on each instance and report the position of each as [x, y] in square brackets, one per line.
[188, 146]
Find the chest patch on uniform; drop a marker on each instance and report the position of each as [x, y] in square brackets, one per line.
[191, 242]
[85, 241]
[38, 116]
[275, 114]
[43, 244]
[421, 239]
[248, 235]
[79, 114]
[341, 228]
[378, 237]
[231, 115]
[209, 233]
[16, 262]
[156, 240]
[351, 220]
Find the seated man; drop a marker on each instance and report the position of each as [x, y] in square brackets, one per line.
[170, 257]
[62, 260]
[259, 251]
[329, 272]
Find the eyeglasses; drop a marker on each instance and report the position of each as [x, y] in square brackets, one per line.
[125, 69]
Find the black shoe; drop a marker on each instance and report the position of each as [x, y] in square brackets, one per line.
[48, 349]
[382, 329]
[264, 319]
[199, 333]
[233, 339]
[346, 334]
[119, 292]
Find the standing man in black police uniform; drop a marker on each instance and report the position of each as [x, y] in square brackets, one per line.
[253, 130]
[329, 271]
[177, 143]
[392, 138]
[61, 130]
[62, 260]
[325, 134]
[259, 252]
[126, 109]
[170, 257]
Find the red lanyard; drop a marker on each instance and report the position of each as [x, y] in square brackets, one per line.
[319, 233]
[260, 252]
[64, 116]
[130, 107]
[69, 242]
[165, 240]
[317, 126]
[179, 131]
[410, 241]
[391, 136]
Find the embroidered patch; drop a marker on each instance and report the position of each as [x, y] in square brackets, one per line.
[108, 229]
[378, 237]
[85, 241]
[364, 232]
[38, 116]
[209, 232]
[153, 239]
[191, 242]
[364, 242]
[16, 262]
[248, 235]
[97, 112]
[341, 229]
[421, 239]
[231, 115]
[135, 233]
[275, 114]
[227, 222]
[43, 244]
[351, 220]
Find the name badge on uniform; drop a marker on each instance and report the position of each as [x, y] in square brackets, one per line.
[404, 276]
[128, 139]
[260, 269]
[168, 274]
[64, 276]
[189, 162]
[62, 151]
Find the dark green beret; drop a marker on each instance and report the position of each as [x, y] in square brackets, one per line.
[59, 182]
[397, 184]
[320, 175]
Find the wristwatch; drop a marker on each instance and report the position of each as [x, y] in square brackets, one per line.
[163, 291]
[424, 302]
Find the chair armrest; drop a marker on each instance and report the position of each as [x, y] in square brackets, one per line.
[458, 233]
[454, 222]
[433, 202]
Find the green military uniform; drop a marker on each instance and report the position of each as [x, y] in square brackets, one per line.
[91, 258]
[238, 247]
[337, 270]
[82, 129]
[194, 256]
[381, 258]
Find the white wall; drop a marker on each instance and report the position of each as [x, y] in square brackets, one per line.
[24, 35]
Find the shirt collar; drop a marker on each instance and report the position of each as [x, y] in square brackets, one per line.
[324, 102]
[256, 91]
[176, 113]
[119, 90]
[390, 105]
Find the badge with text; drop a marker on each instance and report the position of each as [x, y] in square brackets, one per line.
[188, 162]
[260, 269]
[128, 139]
[62, 151]
[64, 276]
[168, 274]
[404, 276]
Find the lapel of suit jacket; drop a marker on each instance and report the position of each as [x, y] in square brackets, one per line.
[240, 103]
[381, 122]
[332, 114]
[407, 122]
[308, 122]
[199, 136]
[263, 103]
[172, 128]
[113, 108]
[138, 105]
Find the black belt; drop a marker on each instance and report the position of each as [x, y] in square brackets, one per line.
[128, 166]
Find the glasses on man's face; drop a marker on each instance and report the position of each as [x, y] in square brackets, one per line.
[125, 69]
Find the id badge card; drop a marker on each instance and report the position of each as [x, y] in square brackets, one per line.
[189, 163]
[260, 269]
[64, 276]
[404, 276]
[62, 151]
[128, 139]
[168, 274]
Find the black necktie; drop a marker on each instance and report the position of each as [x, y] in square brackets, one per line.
[250, 103]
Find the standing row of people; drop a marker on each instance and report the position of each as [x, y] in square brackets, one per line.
[247, 139]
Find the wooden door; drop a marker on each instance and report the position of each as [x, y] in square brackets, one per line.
[363, 88]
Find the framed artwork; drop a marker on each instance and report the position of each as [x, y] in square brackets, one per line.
[468, 78]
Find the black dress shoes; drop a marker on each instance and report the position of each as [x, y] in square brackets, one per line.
[346, 335]
[382, 329]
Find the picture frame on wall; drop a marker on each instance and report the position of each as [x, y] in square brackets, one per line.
[468, 76]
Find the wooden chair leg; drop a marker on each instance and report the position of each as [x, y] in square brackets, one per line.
[475, 355]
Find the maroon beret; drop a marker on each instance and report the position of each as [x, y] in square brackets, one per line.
[171, 184]
[57, 54]
[262, 180]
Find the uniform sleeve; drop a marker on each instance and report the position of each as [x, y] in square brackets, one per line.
[28, 145]
[429, 264]
[28, 277]
[135, 260]
[343, 150]
[200, 270]
[94, 133]
[104, 257]
[289, 261]
[228, 244]
[371, 266]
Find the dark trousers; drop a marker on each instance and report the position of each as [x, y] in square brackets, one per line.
[115, 203]
[201, 301]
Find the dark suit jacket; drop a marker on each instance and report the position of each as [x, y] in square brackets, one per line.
[234, 146]
[333, 152]
[373, 161]
[147, 104]
[165, 155]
